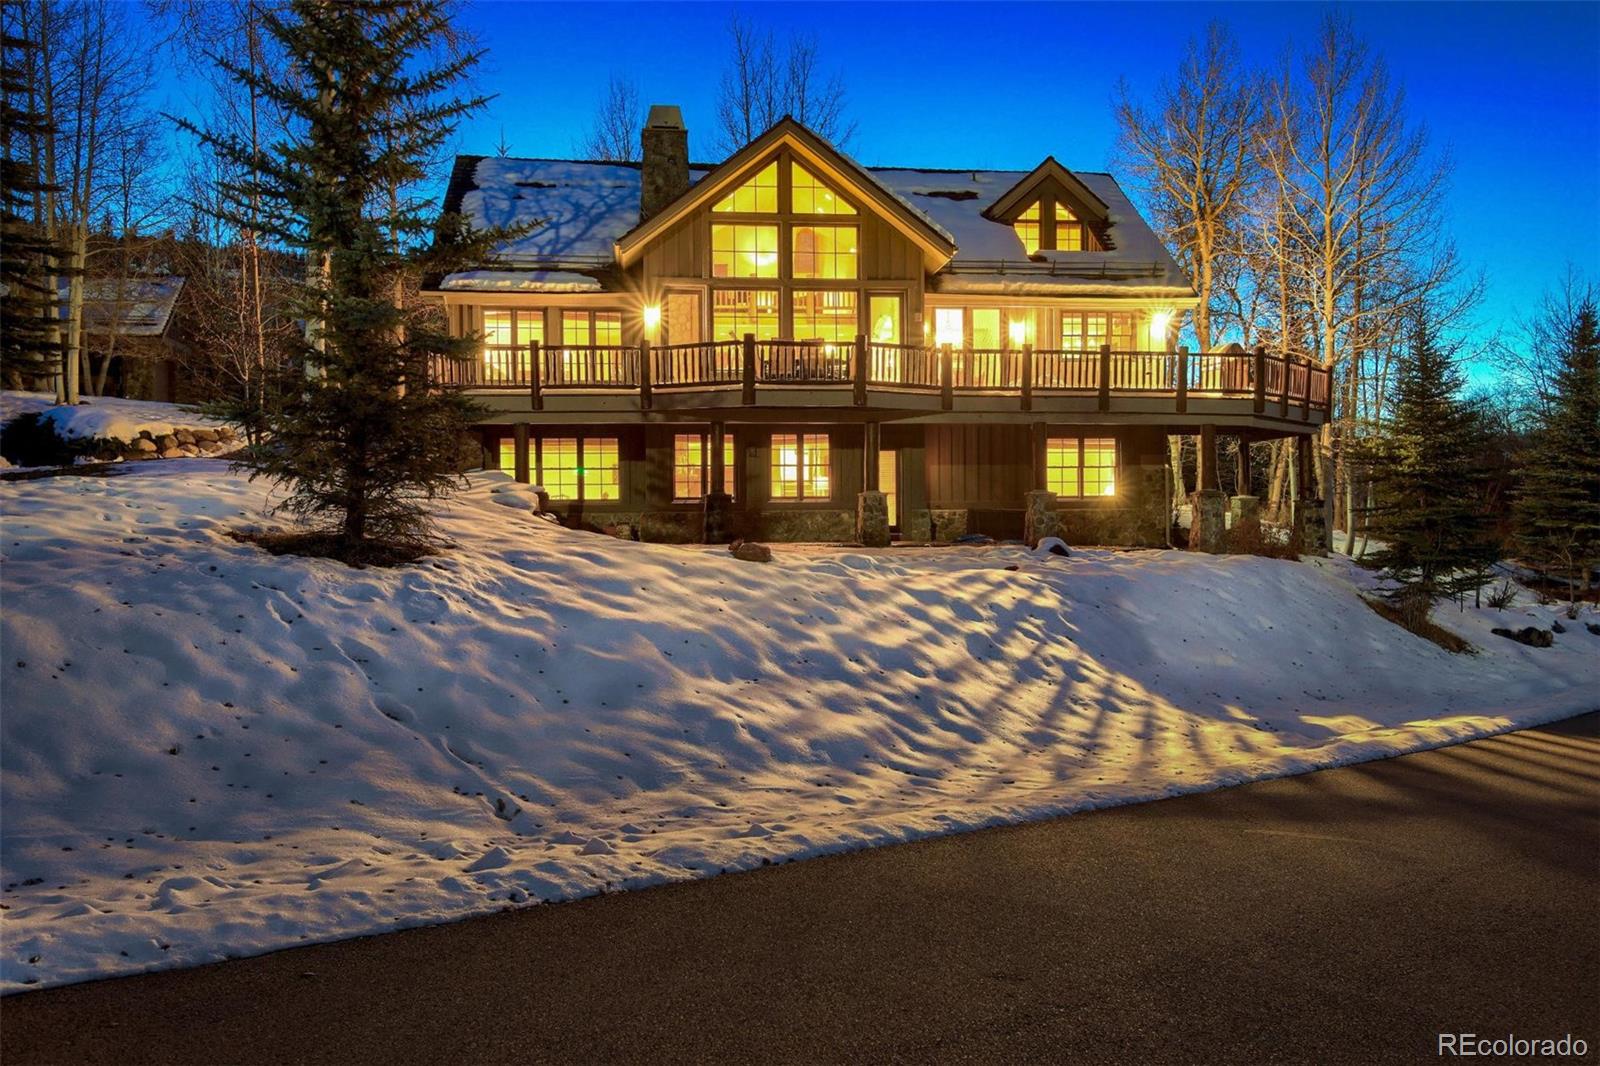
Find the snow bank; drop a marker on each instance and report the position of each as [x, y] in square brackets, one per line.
[209, 751]
[100, 417]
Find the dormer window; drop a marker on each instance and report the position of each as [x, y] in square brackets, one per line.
[1027, 227]
[758, 196]
[811, 197]
[1069, 230]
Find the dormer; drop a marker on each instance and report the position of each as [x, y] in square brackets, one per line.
[1052, 210]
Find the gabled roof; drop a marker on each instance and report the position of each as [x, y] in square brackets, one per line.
[938, 246]
[1016, 199]
[129, 307]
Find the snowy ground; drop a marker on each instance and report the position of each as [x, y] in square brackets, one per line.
[209, 751]
[103, 417]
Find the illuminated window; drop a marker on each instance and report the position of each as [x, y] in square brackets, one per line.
[558, 467]
[735, 312]
[1124, 333]
[949, 327]
[824, 251]
[1081, 466]
[691, 466]
[986, 327]
[758, 196]
[811, 197]
[608, 327]
[600, 469]
[501, 362]
[1022, 326]
[1027, 227]
[801, 466]
[508, 454]
[744, 251]
[883, 312]
[575, 328]
[1086, 331]
[825, 315]
[1069, 231]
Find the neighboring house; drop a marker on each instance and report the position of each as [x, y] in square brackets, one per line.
[789, 345]
[129, 333]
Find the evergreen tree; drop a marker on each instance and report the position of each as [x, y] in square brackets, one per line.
[359, 441]
[1429, 511]
[1558, 508]
[30, 343]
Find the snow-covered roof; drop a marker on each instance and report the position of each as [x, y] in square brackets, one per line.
[582, 208]
[139, 307]
[521, 281]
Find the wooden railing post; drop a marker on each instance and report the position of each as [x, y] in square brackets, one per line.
[1105, 377]
[535, 376]
[860, 370]
[1283, 400]
[1027, 377]
[749, 369]
[1183, 381]
[644, 375]
[947, 377]
[1259, 368]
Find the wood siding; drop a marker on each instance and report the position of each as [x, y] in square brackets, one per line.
[978, 466]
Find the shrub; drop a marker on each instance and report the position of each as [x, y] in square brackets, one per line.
[1270, 542]
[1503, 598]
[29, 440]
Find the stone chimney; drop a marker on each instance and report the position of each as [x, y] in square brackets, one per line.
[664, 175]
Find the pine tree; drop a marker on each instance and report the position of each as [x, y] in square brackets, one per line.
[1558, 509]
[30, 346]
[361, 444]
[1429, 512]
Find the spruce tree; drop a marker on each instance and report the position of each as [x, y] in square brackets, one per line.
[30, 343]
[360, 443]
[1558, 508]
[1429, 512]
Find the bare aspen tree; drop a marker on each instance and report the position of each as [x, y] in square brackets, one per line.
[759, 86]
[614, 136]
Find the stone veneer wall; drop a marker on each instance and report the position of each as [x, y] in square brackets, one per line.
[1139, 517]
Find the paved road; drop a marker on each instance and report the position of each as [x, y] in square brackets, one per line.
[1344, 916]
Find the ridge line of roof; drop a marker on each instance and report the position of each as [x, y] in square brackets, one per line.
[634, 164]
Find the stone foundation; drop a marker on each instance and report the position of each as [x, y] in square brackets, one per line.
[946, 525]
[916, 526]
[872, 519]
[716, 522]
[1039, 518]
[1244, 512]
[1310, 520]
[1207, 531]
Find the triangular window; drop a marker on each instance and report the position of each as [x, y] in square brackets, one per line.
[812, 197]
[758, 196]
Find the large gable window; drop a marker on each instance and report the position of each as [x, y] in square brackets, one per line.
[507, 340]
[811, 197]
[827, 252]
[1069, 231]
[825, 315]
[758, 196]
[735, 312]
[1027, 227]
[739, 251]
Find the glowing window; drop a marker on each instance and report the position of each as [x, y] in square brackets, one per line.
[883, 312]
[1069, 231]
[1022, 326]
[608, 327]
[1081, 466]
[758, 196]
[949, 327]
[801, 466]
[1124, 333]
[744, 251]
[729, 480]
[1027, 227]
[986, 327]
[811, 197]
[508, 454]
[600, 469]
[1085, 331]
[825, 315]
[688, 466]
[735, 312]
[558, 467]
[824, 251]
[505, 359]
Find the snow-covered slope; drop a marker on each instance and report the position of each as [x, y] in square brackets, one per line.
[211, 751]
[103, 417]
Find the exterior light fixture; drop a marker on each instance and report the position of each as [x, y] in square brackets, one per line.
[1158, 326]
[652, 317]
[1019, 333]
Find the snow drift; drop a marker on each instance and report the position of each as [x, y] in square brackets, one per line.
[209, 751]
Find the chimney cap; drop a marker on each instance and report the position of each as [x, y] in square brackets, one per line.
[665, 117]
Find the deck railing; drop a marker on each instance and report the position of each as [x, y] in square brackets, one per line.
[1268, 380]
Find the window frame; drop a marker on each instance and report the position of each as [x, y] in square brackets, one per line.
[536, 467]
[730, 455]
[1081, 441]
[803, 472]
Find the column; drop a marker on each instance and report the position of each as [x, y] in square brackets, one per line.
[718, 503]
[872, 506]
[1244, 508]
[1208, 507]
[519, 433]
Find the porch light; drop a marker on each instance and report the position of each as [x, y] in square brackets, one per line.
[1158, 326]
[652, 317]
[1019, 333]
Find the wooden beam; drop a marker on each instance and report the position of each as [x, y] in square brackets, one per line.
[644, 375]
[1206, 475]
[860, 370]
[1105, 377]
[1038, 440]
[1243, 478]
[871, 445]
[719, 473]
[1183, 381]
[519, 433]
[749, 391]
[1027, 377]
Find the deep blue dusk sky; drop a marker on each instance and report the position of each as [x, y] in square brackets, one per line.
[1512, 91]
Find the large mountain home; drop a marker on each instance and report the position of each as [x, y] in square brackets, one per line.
[791, 346]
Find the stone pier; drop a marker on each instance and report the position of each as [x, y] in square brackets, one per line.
[872, 519]
[1040, 519]
[719, 508]
[1244, 512]
[1207, 529]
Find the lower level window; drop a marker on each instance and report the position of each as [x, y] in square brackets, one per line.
[508, 454]
[1081, 466]
[580, 468]
[691, 466]
[801, 466]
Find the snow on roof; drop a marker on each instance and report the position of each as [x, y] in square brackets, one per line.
[140, 307]
[520, 281]
[583, 207]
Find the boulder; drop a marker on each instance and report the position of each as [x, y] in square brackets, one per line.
[190, 450]
[143, 445]
[166, 442]
[184, 436]
[203, 434]
[751, 552]
[173, 452]
[210, 446]
[145, 434]
[1532, 636]
[1052, 546]
[1557, 627]
[225, 433]
[1593, 627]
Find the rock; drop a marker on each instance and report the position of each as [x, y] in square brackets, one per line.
[974, 538]
[751, 552]
[173, 452]
[166, 440]
[225, 433]
[190, 450]
[184, 436]
[1532, 636]
[204, 434]
[144, 444]
[209, 446]
[622, 531]
[145, 434]
[1052, 546]
[1593, 627]
[1557, 627]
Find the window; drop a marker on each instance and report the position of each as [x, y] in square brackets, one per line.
[824, 252]
[1086, 331]
[986, 327]
[758, 196]
[740, 251]
[801, 466]
[1069, 231]
[888, 484]
[691, 466]
[825, 315]
[735, 312]
[1027, 227]
[502, 330]
[580, 468]
[1022, 326]
[508, 454]
[811, 197]
[585, 328]
[1081, 466]
[883, 313]
[949, 327]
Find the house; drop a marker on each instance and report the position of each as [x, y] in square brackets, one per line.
[129, 335]
[791, 346]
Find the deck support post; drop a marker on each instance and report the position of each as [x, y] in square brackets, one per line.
[1105, 377]
[1242, 478]
[1027, 377]
[535, 376]
[1206, 477]
[859, 370]
[1183, 381]
[1309, 517]
[718, 503]
[947, 377]
[1039, 517]
[749, 374]
[871, 446]
[1037, 442]
[1259, 369]
[519, 434]
[645, 399]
